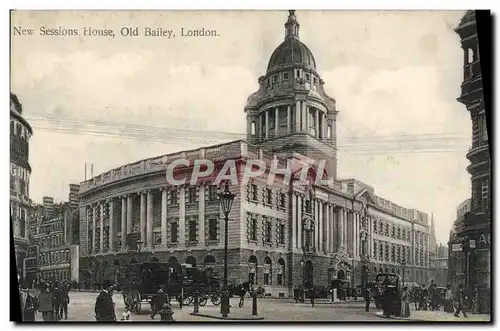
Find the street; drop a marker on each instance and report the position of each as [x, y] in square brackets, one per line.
[81, 308]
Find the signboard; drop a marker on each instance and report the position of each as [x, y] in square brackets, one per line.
[456, 247]
[472, 243]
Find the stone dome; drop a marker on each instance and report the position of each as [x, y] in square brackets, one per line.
[291, 51]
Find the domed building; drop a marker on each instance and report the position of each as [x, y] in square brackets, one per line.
[280, 236]
[291, 111]
[20, 170]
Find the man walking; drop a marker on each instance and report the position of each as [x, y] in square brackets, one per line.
[105, 307]
[366, 296]
[64, 301]
[460, 301]
[45, 305]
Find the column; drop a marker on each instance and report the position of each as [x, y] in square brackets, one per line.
[101, 249]
[298, 117]
[266, 133]
[305, 111]
[370, 237]
[164, 217]
[333, 240]
[129, 214]
[294, 221]
[111, 226]
[201, 214]
[327, 228]
[276, 121]
[324, 126]
[357, 233]
[316, 125]
[94, 222]
[289, 119]
[316, 223]
[321, 229]
[260, 130]
[340, 224]
[124, 222]
[149, 220]
[299, 221]
[182, 214]
[143, 218]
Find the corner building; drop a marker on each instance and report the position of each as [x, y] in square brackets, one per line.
[339, 230]
[20, 171]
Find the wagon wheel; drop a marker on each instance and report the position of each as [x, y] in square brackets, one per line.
[187, 300]
[216, 299]
[135, 302]
[203, 301]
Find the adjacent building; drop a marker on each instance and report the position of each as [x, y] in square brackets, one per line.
[476, 229]
[438, 268]
[55, 255]
[20, 171]
[280, 235]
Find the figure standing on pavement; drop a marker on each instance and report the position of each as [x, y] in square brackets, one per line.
[167, 314]
[56, 301]
[105, 307]
[460, 302]
[448, 300]
[405, 303]
[367, 297]
[158, 302]
[28, 305]
[312, 294]
[45, 305]
[63, 310]
[475, 302]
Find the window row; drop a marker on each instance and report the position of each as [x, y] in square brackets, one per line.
[54, 257]
[192, 195]
[269, 230]
[391, 252]
[267, 196]
[52, 242]
[19, 130]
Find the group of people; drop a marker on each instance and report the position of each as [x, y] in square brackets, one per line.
[52, 302]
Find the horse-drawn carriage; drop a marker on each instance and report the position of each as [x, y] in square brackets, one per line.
[142, 280]
[204, 283]
[388, 297]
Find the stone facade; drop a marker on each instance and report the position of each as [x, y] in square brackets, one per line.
[20, 171]
[280, 234]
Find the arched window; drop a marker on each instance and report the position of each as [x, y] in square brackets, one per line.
[267, 270]
[252, 269]
[280, 279]
[172, 259]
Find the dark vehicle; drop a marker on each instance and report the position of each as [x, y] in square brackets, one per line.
[202, 281]
[388, 294]
[142, 281]
[440, 297]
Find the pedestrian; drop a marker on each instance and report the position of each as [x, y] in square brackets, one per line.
[448, 300]
[56, 301]
[63, 310]
[167, 314]
[312, 294]
[405, 303]
[475, 302]
[158, 302]
[45, 304]
[126, 315]
[28, 305]
[367, 297]
[104, 306]
[460, 302]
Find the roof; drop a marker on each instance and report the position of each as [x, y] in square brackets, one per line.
[291, 51]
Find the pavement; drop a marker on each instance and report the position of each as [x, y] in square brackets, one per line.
[81, 308]
[437, 316]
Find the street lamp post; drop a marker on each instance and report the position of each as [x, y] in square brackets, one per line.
[403, 265]
[226, 199]
[303, 268]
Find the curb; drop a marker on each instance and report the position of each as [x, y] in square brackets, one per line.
[256, 318]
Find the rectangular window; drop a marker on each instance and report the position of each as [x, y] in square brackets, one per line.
[282, 234]
[308, 206]
[173, 232]
[308, 77]
[12, 183]
[387, 252]
[269, 196]
[315, 80]
[484, 128]
[268, 231]
[212, 192]
[212, 229]
[174, 199]
[275, 79]
[282, 200]
[485, 195]
[192, 231]
[192, 194]
[253, 229]
[297, 73]
[375, 250]
[375, 226]
[285, 76]
[253, 192]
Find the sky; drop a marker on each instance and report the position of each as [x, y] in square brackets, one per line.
[111, 101]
